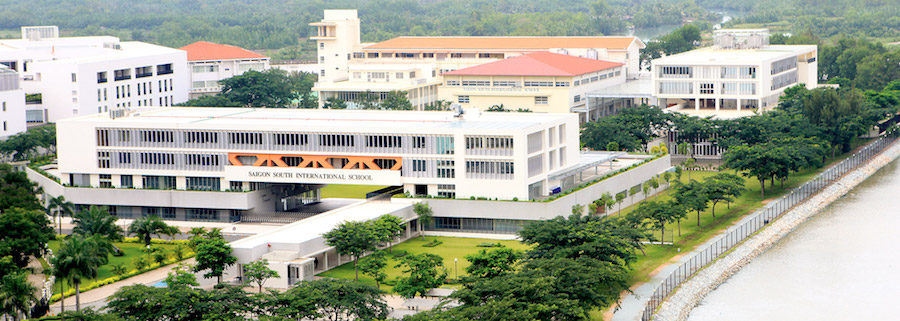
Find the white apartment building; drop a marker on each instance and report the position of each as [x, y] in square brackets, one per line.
[12, 104]
[83, 75]
[414, 64]
[737, 76]
[211, 62]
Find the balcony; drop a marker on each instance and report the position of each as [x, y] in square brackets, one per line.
[146, 74]
[102, 80]
[123, 77]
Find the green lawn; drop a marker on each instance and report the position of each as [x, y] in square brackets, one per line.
[452, 248]
[348, 191]
[131, 251]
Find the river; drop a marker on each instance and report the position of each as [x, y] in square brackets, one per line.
[842, 264]
[647, 34]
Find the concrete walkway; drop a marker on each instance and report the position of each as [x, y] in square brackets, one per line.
[96, 298]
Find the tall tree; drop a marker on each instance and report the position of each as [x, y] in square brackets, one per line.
[97, 221]
[387, 227]
[396, 100]
[425, 273]
[693, 196]
[258, 272]
[214, 255]
[16, 295]
[425, 214]
[79, 258]
[16, 190]
[354, 239]
[145, 227]
[489, 264]
[752, 161]
[723, 187]
[59, 207]
[270, 88]
[373, 265]
[24, 234]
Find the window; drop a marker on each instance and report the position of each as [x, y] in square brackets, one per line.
[463, 99]
[784, 65]
[534, 142]
[245, 138]
[201, 137]
[291, 139]
[358, 55]
[418, 165]
[159, 182]
[321, 59]
[383, 141]
[452, 83]
[103, 137]
[706, 88]
[456, 55]
[101, 77]
[205, 68]
[577, 82]
[126, 181]
[399, 75]
[321, 45]
[489, 169]
[675, 72]
[577, 98]
[540, 100]
[476, 83]
[784, 80]
[562, 84]
[418, 142]
[124, 157]
[336, 140]
[201, 160]
[122, 74]
[672, 87]
[157, 158]
[202, 183]
[538, 84]
[74, 77]
[446, 190]
[164, 69]
[157, 136]
[506, 83]
[202, 214]
[102, 158]
[535, 165]
[446, 169]
[4, 106]
[142, 72]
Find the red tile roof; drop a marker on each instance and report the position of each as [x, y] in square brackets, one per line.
[541, 63]
[504, 43]
[203, 50]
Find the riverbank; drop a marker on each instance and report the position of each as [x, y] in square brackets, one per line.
[679, 305]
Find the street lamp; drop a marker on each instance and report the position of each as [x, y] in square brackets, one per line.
[455, 270]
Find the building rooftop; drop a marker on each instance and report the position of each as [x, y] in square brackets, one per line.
[504, 43]
[541, 63]
[716, 56]
[203, 50]
[318, 119]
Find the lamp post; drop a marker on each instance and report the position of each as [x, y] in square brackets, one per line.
[455, 270]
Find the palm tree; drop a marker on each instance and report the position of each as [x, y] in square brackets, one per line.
[145, 227]
[16, 295]
[78, 259]
[58, 206]
[97, 221]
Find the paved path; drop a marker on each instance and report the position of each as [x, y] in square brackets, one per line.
[96, 298]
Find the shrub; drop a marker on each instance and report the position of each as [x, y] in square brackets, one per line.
[433, 243]
[400, 253]
[490, 245]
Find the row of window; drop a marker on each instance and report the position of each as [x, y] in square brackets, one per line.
[507, 83]
[125, 74]
[538, 100]
[489, 169]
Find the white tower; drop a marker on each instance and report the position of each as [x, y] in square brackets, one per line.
[338, 35]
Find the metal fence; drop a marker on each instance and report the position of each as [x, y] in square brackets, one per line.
[276, 217]
[760, 219]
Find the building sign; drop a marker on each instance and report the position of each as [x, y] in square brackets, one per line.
[311, 175]
[502, 89]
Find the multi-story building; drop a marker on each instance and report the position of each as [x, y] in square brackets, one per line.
[216, 160]
[211, 62]
[12, 104]
[739, 75]
[414, 64]
[83, 75]
[541, 81]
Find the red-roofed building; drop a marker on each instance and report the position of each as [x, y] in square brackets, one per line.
[539, 81]
[211, 62]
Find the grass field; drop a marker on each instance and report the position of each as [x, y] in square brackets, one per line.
[348, 191]
[452, 248]
[131, 251]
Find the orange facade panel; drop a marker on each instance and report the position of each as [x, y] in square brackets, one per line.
[317, 161]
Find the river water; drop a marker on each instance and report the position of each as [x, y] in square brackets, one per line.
[842, 264]
[647, 34]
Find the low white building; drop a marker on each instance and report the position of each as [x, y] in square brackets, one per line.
[84, 75]
[12, 104]
[211, 62]
[739, 75]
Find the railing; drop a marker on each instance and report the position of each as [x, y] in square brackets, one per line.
[384, 193]
[759, 220]
[276, 217]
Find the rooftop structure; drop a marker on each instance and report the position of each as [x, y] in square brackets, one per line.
[210, 63]
[539, 81]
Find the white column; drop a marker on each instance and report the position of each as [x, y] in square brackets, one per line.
[738, 104]
[717, 104]
[697, 104]
[326, 261]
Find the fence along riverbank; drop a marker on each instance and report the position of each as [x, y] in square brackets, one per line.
[760, 219]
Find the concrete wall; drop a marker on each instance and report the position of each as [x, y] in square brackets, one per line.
[545, 210]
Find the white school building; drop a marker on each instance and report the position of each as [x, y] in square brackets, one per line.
[12, 104]
[77, 76]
